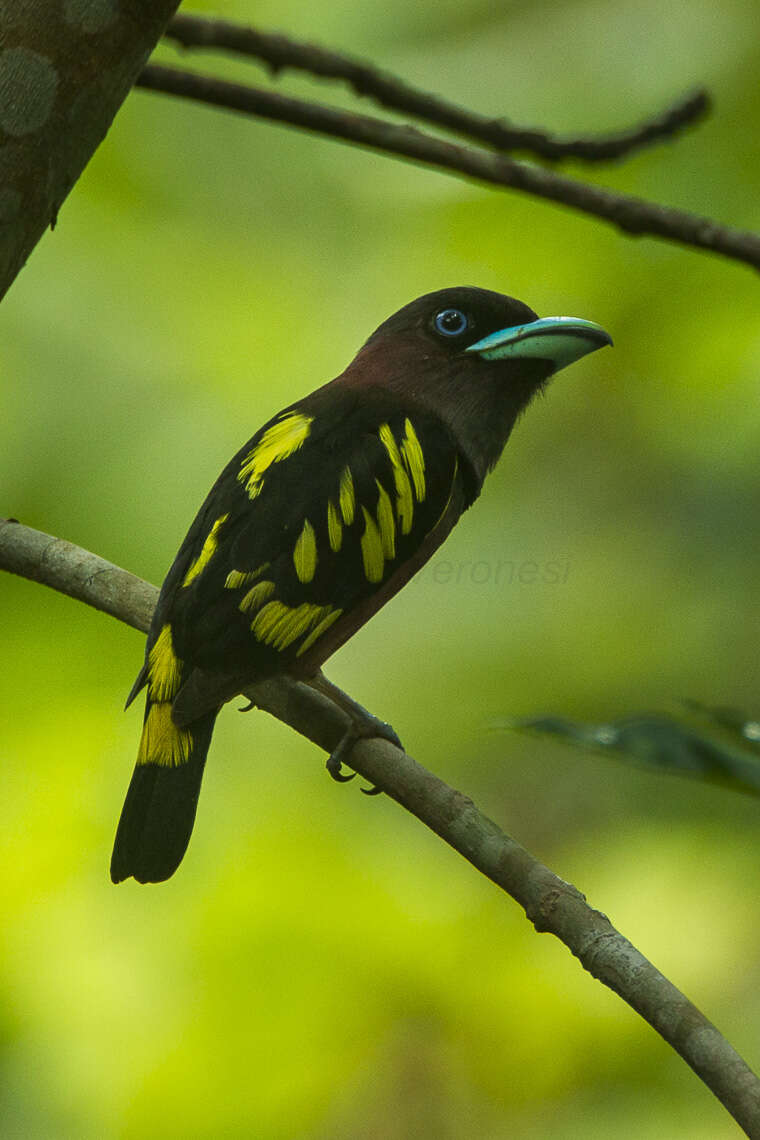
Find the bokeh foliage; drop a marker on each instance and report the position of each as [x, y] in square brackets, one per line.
[321, 967]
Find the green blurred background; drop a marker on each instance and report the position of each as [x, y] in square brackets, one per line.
[321, 967]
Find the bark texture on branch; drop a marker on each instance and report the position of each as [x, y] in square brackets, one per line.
[280, 53]
[634, 216]
[551, 904]
[65, 69]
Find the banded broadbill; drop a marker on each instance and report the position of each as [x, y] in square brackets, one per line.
[320, 518]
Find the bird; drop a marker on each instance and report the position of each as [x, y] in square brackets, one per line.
[318, 521]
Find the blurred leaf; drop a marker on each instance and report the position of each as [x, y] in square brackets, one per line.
[742, 728]
[660, 741]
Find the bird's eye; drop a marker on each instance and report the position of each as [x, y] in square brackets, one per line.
[450, 322]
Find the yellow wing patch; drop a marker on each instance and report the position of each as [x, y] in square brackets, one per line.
[319, 629]
[386, 522]
[164, 667]
[414, 459]
[207, 551]
[256, 597]
[373, 556]
[346, 496]
[404, 500]
[161, 741]
[279, 625]
[305, 553]
[237, 578]
[278, 442]
[334, 527]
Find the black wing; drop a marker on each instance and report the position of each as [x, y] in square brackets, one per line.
[313, 525]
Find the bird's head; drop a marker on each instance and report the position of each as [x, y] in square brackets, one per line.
[474, 357]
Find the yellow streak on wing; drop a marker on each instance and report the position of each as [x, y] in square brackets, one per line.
[301, 620]
[207, 551]
[279, 625]
[161, 741]
[404, 500]
[264, 626]
[346, 496]
[372, 549]
[386, 522]
[414, 459]
[237, 578]
[334, 527]
[294, 624]
[278, 442]
[305, 553]
[326, 622]
[164, 667]
[256, 597]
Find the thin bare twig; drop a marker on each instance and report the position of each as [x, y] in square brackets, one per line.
[280, 52]
[551, 904]
[633, 215]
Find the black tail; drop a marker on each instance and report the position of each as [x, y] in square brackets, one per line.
[159, 811]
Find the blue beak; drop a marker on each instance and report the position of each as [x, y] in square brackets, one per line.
[560, 340]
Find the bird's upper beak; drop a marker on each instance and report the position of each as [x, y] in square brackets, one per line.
[560, 340]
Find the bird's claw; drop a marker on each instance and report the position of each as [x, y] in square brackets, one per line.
[248, 707]
[361, 730]
[340, 753]
[335, 771]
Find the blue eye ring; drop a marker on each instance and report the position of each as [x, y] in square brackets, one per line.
[450, 322]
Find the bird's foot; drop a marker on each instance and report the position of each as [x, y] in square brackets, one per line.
[364, 728]
[248, 707]
[363, 725]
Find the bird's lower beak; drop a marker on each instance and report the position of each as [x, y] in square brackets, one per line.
[560, 340]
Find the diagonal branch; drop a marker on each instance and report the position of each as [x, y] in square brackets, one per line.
[280, 52]
[551, 904]
[633, 215]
